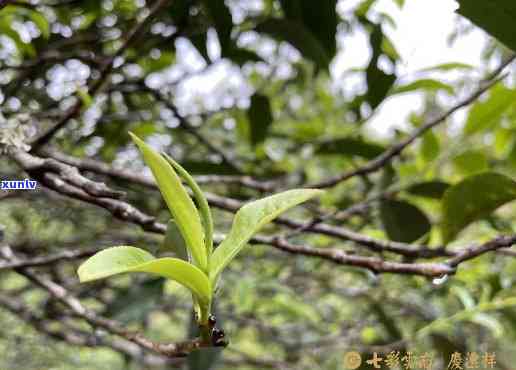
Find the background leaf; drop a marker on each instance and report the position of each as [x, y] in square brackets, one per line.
[135, 303]
[430, 146]
[423, 84]
[495, 17]
[318, 17]
[446, 67]
[402, 221]
[351, 147]
[470, 162]
[298, 36]
[473, 198]
[260, 118]
[378, 81]
[485, 114]
[430, 189]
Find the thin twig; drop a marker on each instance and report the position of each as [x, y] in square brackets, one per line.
[388, 155]
[108, 66]
[62, 295]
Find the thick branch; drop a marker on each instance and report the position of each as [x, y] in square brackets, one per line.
[88, 164]
[376, 265]
[127, 212]
[232, 205]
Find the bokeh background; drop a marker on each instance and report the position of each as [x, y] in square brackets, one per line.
[253, 97]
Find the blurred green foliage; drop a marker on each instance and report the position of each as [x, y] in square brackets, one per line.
[286, 118]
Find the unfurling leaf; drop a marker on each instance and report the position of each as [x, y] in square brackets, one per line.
[174, 241]
[201, 202]
[178, 201]
[250, 219]
[117, 260]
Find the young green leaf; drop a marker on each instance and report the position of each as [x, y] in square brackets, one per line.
[112, 261]
[250, 219]
[201, 201]
[122, 259]
[174, 241]
[178, 201]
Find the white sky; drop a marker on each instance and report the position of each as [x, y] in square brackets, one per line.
[422, 29]
[420, 37]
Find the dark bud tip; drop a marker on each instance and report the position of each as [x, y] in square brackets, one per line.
[212, 320]
[218, 333]
[217, 338]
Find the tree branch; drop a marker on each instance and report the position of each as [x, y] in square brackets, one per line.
[75, 337]
[127, 212]
[387, 156]
[232, 205]
[68, 255]
[59, 293]
[91, 165]
[106, 69]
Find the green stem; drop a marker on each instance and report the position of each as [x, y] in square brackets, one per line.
[204, 326]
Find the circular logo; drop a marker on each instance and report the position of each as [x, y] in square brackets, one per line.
[352, 360]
